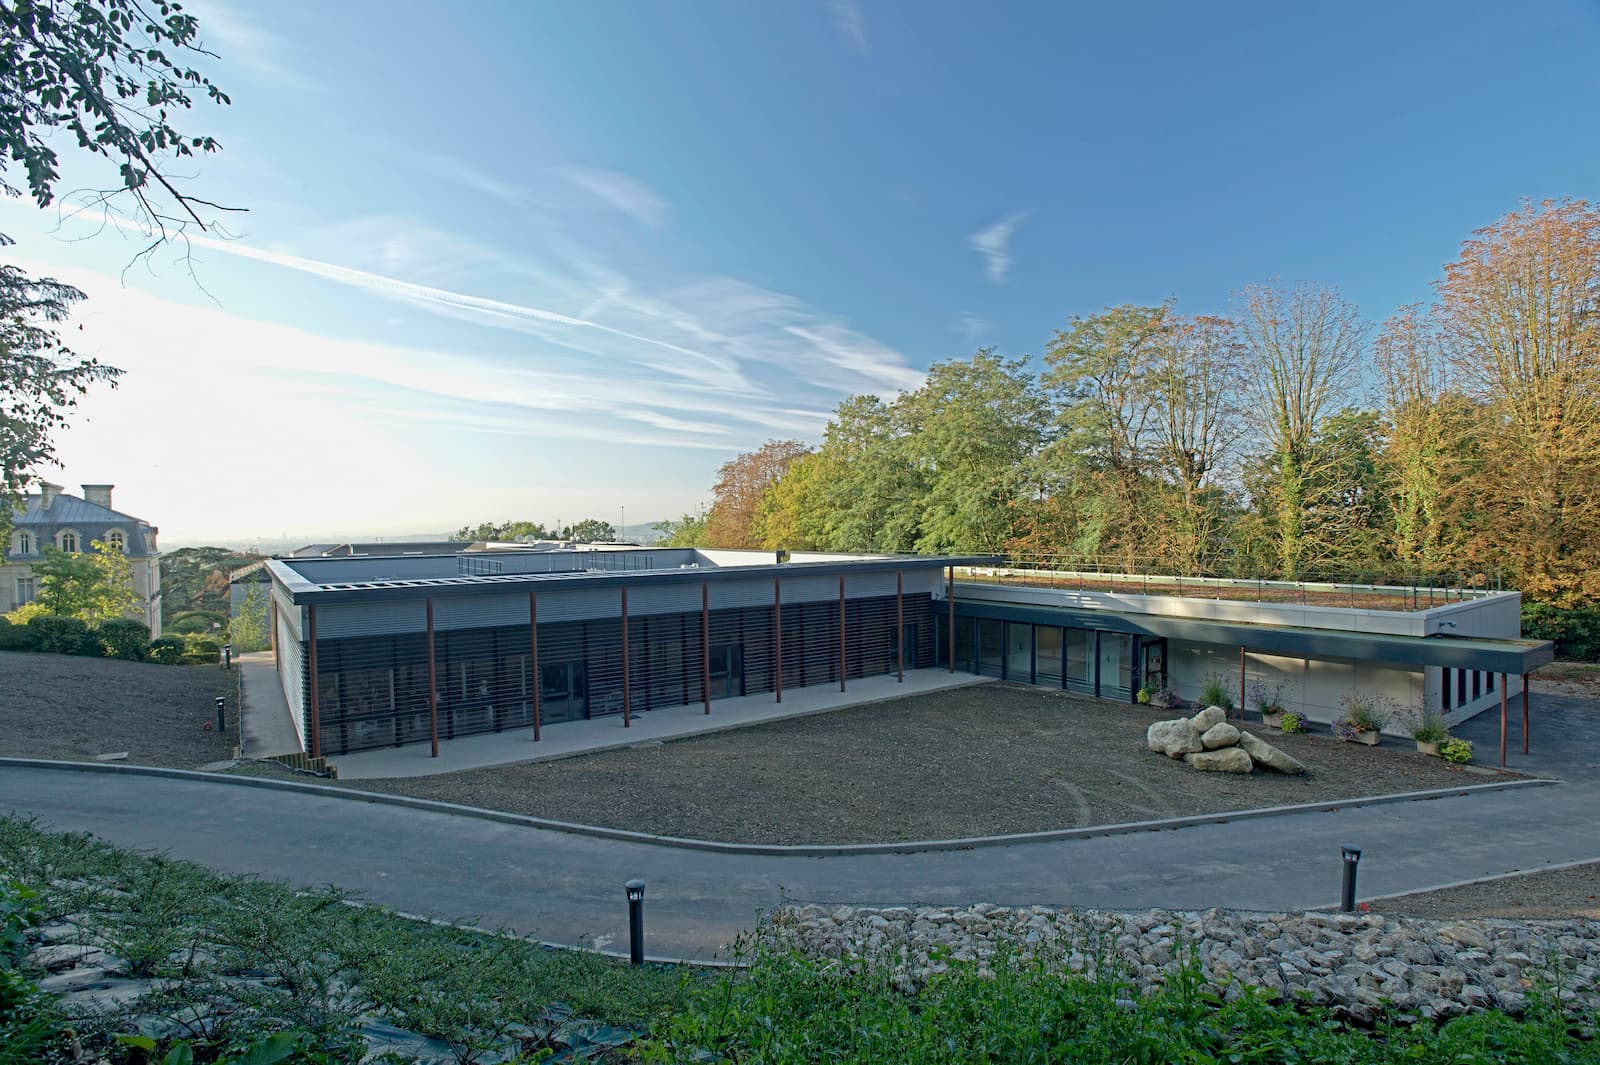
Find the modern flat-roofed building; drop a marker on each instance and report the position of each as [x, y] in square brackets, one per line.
[1447, 649]
[377, 651]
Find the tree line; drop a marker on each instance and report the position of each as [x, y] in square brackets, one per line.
[1291, 438]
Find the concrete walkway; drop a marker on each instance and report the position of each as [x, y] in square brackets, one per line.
[605, 733]
[267, 727]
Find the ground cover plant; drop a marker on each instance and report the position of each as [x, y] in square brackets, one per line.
[217, 964]
[991, 758]
[793, 1008]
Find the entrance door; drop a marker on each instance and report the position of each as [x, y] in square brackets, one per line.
[727, 670]
[563, 692]
[908, 638]
[1153, 670]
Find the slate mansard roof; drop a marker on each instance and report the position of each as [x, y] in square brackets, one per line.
[90, 521]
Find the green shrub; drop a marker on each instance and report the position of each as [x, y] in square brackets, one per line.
[196, 622]
[1574, 630]
[64, 636]
[125, 638]
[1216, 693]
[17, 637]
[1292, 722]
[200, 650]
[1456, 751]
[166, 651]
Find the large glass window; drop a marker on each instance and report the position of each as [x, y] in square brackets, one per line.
[25, 590]
[1047, 657]
[991, 647]
[1019, 652]
[1080, 660]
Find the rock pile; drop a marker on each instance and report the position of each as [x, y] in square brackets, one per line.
[1207, 742]
[1361, 965]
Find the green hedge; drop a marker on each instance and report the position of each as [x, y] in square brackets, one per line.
[16, 637]
[166, 651]
[64, 636]
[125, 638]
[1575, 630]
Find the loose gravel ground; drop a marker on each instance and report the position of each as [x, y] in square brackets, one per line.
[967, 762]
[1570, 892]
[71, 708]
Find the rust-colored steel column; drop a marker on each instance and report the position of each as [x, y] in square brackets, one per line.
[1241, 682]
[433, 687]
[841, 632]
[627, 689]
[952, 625]
[705, 641]
[900, 623]
[1502, 726]
[533, 665]
[1524, 713]
[777, 639]
[316, 707]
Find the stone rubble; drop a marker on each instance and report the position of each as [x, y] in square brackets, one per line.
[1360, 965]
[1207, 742]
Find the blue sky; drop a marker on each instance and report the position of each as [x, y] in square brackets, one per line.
[554, 260]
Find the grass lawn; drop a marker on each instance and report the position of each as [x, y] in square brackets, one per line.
[73, 708]
[995, 758]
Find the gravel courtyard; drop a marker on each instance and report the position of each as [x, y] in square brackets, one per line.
[72, 708]
[967, 762]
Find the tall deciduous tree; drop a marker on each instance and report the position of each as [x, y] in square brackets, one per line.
[1098, 370]
[741, 483]
[94, 586]
[1194, 382]
[1520, 310]
[1303, 348]
[109, 77]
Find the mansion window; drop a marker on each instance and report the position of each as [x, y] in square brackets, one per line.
[114, 538]
[69, 542]
[24, 543]
[25, 590]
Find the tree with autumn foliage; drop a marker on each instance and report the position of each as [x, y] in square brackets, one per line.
[1519, 311]
[741, 483]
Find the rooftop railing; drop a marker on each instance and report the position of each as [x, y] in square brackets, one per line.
[1126, 576]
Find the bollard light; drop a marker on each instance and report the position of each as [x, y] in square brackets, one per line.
[220, 724]
[227, 656]
[635, 889]
[1352, 858]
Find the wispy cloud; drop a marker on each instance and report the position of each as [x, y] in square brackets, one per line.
[970, 327]
[850, 22]
[471, 177]
[994, 244]
[619, 191]
[237, 38]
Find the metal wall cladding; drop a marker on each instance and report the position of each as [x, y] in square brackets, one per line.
[365, 570]
[345, 620]
[288, 613]
[292, 676]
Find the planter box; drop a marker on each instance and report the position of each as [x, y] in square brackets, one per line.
[1428, 748]
[1368, 738]
[1273, 720]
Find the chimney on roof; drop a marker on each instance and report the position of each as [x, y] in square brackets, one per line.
[48, 493]
[98, 494]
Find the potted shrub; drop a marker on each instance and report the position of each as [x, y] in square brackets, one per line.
[1291, 722]
[1456, 751]
[1429, 732]
[1361, 718]
[1166, 699]
[1270, 702]
[1144, 695]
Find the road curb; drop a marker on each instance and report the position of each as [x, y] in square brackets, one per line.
[766, 849]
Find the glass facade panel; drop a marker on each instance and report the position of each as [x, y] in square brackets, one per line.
[1019, 652]
[1080, 660]
[1116, 665]
[991, 647]
[1047, 656]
